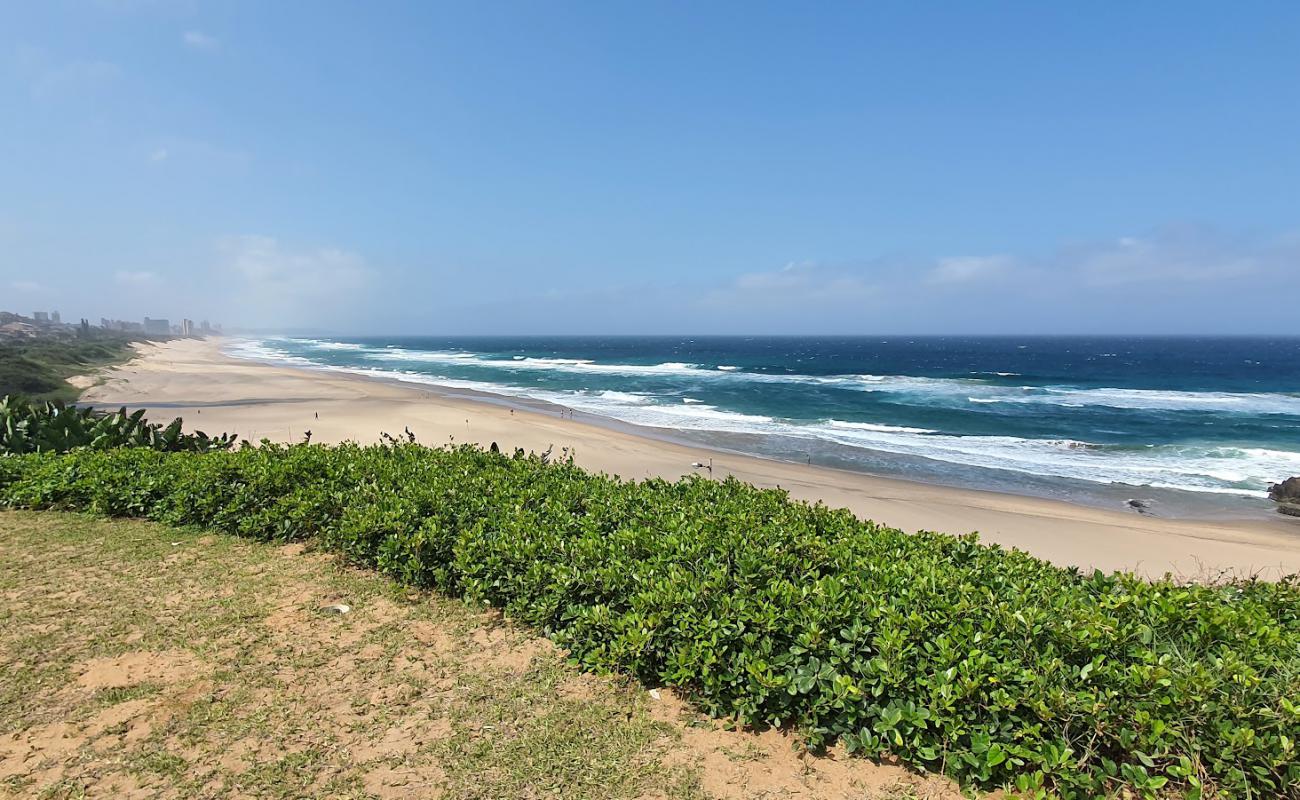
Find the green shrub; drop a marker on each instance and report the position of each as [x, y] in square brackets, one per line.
[989, 665]
[28, 426]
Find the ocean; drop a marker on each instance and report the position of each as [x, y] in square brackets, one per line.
[1193, 426]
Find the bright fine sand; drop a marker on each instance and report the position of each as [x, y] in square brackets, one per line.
[217, 393]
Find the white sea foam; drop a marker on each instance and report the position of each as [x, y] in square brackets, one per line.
[260, 350]
[871, 426]
[1241, 471]
[913, 389]
[1158, 400]
[322, 344]
[1206, 468]
[977, 391]
[1231, 470]
[422, 356]
[631, 398]
[517, 362]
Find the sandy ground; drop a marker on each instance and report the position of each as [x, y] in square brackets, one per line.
[214, 392]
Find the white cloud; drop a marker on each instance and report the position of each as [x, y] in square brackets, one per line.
[1177, 255]
[198, 40]
[966, 269]
[796, 283]
[27, 287]
[135, 277]
[1195, 273]
[160, 154]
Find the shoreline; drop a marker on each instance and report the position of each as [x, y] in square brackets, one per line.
[258, 400]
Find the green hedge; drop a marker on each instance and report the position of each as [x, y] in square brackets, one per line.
[989, 665]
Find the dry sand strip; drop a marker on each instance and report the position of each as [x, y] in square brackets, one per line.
[140, 661]
[215, 392]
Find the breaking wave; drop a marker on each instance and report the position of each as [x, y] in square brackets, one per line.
[654, 395]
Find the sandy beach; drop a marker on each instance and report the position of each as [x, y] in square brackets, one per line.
[215, 392]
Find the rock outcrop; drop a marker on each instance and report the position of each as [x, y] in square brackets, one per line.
[1287, 496]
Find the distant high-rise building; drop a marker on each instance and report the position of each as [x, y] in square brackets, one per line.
[187, 327]
[41, 317]
[205, 328]
[119, 325]
[159, 326]
[54, 317]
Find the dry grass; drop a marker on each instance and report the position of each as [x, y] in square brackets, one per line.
[142, 661]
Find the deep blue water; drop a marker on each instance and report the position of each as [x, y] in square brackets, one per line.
[1060, 415]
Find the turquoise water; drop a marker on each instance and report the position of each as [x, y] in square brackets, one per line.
[1216, 420]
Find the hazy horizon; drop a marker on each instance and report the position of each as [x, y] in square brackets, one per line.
[579, 169]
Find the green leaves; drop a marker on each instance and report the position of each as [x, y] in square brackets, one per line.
[52, 427]
[996, 667]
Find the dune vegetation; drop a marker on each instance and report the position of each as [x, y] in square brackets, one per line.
[989, 665]
[39, 367]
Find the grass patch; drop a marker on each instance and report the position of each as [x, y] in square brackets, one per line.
[248, 691]
[124, 694]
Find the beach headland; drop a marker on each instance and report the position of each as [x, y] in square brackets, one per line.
[216, 393]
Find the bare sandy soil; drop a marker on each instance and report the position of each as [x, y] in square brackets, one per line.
[214, 392]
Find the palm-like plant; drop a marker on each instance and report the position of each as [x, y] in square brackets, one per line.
[40, 427]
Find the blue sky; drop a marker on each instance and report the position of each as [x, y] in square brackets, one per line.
[655, 167]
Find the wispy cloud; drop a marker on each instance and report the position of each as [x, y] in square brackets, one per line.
[48, 78]
[198, 40]
[135, 277]
[278, 283]
[1173, 255]
[1075, 287]
[796, 283]
[967, 269]
[194, 151]
[1179, 254]
[26, 287]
